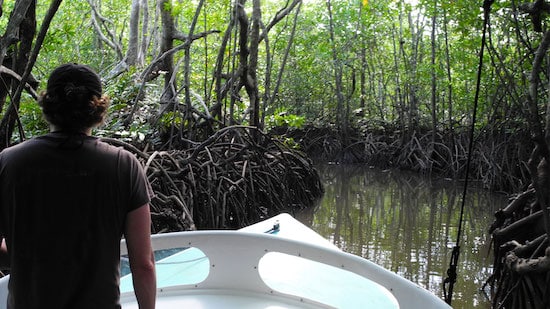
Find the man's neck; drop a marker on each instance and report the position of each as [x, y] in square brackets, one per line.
[54, 128]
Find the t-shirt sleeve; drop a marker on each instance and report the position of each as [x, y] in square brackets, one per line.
[140, 188]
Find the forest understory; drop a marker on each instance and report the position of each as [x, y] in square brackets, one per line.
[241, 175]
[498, 160]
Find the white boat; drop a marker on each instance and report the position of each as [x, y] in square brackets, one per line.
[277, 263]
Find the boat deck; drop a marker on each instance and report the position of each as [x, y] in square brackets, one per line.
[277, 263]
[224, 299]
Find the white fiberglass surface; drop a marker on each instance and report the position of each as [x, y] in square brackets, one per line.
[322, 283]
[188, 266]
[221, 299]
[285, 274]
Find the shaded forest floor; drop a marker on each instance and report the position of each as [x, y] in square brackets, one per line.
[499, 156]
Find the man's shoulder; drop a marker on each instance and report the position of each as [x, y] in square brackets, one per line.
[20, 155]
[123, 157]
[113, 149]
[22, 146]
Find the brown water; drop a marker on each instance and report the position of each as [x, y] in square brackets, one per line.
[409, 223]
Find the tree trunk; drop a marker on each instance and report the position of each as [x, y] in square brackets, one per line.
[105, 34]
[434, 84]
[168, 96]
[10, 117]
[219, 89]
[27, 30]
[399, 97]
[10, 35]
[133, 34]
[285, 57]
[144, 33]
[187, 67]
[251, 82]
[135, 52]
[242, 71]
[411, 84]
[452, 146]
[362, 77]
[269, 98]
[337, 71]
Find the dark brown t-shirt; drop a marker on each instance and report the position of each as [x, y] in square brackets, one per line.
[63, 204]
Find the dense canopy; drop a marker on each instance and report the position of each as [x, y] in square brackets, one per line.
[404, 70]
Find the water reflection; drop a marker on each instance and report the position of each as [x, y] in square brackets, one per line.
[408, 224]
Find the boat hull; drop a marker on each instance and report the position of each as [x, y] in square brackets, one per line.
[264, 267]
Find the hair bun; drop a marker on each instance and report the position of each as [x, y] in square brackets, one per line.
[69, 90]
[75, 75]
[73, 99]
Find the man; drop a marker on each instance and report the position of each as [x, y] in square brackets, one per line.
[4, 259]
[66, 199]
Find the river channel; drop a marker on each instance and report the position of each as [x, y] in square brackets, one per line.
[408, 223]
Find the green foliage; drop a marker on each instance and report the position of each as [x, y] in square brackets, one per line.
[123, 92]
[282, 118]
[394, 36]
[171, 119]
[31, 118]
[289, 142]
[124, 89]
[175, 7]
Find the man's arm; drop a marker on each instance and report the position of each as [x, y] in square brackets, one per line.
[4, 257]
[140, 254]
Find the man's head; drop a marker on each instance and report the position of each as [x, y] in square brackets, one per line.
[73, 100]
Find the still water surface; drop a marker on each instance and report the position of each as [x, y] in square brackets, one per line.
[409, 223]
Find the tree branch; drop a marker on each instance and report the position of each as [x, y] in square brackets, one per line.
[10, 35]
[110, 42]
[535, 11]
[13, 74]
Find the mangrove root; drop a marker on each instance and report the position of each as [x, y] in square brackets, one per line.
[236, 177]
